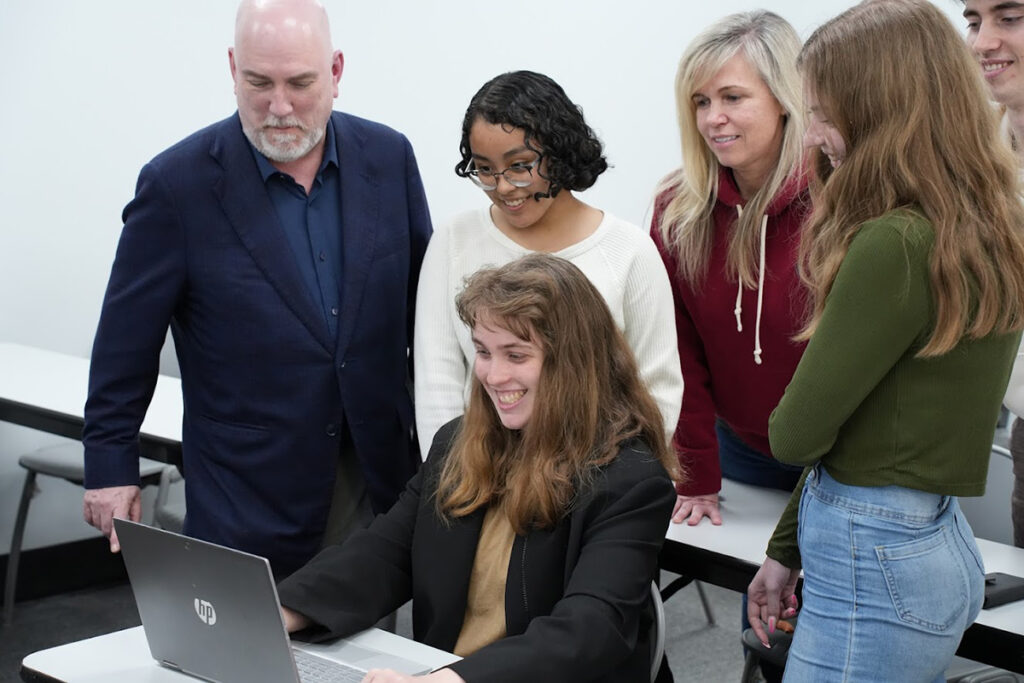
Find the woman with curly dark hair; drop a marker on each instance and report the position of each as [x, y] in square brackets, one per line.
[527, 146]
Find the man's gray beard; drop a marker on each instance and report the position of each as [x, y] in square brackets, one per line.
[288, 152]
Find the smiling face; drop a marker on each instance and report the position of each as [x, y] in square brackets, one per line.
[995, 33]
[509, 370]
[821, 134]
[741, 122]
[497, 147]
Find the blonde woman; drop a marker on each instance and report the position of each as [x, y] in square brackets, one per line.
[914, 260]
[727, 225]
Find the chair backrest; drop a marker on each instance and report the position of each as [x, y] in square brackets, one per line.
[658, 634]
[166, 514]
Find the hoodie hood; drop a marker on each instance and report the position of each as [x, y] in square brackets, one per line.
[729, 193]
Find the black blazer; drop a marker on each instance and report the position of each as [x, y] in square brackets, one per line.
[577, 604]
[266, 387]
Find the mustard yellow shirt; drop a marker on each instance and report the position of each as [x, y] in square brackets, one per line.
[484, 622]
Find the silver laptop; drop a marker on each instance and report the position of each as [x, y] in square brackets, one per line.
[213, 612]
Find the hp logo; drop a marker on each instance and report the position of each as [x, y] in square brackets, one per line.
[205, 612]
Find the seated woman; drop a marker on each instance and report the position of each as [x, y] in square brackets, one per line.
[914, 260]
[529, 539]
[528, 147]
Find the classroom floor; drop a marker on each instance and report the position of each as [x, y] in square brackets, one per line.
[696, 651]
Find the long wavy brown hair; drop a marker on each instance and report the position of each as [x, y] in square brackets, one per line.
[590, 398]
[898, 83]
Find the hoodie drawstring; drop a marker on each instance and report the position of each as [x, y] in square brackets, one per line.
[760, 294]
[738, 310]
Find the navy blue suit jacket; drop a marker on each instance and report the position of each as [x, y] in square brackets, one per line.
[266, 388]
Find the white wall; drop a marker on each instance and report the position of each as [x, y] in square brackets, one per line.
[92, 90]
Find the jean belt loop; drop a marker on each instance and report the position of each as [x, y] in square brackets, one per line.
[944, 505]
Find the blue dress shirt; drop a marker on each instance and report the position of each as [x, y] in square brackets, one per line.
[312, 224]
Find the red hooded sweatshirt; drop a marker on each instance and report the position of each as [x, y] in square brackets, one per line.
[722, 377]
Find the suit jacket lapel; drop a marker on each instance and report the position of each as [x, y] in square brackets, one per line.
[360, 209]
[457, 545]
[248, 208]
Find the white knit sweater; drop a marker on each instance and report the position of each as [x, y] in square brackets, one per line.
[619, 258]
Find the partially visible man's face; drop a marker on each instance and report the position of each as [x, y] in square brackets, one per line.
[995, 33]
[285, 81]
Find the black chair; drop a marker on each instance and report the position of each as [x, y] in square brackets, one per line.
[63, 461]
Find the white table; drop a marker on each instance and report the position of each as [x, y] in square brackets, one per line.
[124, 656]
[46, 390]
[730, 555]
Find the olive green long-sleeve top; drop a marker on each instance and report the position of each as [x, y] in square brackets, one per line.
[865, 405]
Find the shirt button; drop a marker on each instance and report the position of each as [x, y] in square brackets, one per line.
[332, 429]
[323, 256]
[334, 311]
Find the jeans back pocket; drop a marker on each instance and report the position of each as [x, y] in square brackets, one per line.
[926, 581]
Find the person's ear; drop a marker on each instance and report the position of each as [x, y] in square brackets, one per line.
[337, 66]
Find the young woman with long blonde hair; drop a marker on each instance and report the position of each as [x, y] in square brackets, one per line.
[914, 260]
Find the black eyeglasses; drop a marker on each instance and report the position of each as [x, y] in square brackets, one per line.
[516, 175]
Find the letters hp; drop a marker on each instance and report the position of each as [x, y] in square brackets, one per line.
[206, 612]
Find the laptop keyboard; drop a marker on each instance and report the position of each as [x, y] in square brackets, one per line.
[313, 669]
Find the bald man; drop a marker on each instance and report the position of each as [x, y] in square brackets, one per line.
[282, 245]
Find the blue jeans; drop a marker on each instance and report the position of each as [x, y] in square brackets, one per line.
[748, 465]
[892, 577]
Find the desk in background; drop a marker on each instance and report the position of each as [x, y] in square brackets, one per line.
[46, 390]
[730, 555]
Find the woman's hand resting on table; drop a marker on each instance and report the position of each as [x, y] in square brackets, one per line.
[692, 509]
